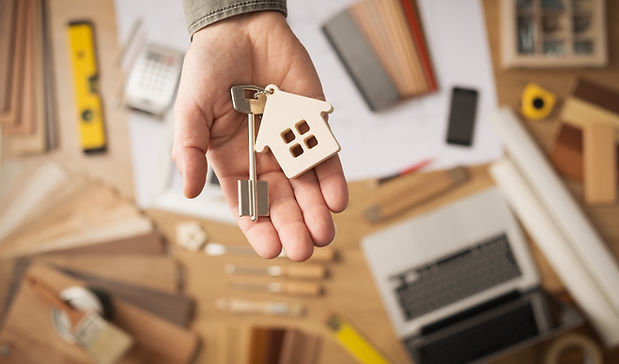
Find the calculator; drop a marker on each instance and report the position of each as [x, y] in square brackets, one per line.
[153, 79]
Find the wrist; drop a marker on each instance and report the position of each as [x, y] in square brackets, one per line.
[247, 22]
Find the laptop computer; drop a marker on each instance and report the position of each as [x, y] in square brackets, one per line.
[455, 280]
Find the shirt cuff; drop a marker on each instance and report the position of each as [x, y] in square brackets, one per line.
[209, 12]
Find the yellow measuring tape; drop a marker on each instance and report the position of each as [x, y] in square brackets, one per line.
[85, 76]
[354, 343]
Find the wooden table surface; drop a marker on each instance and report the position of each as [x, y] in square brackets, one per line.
[350, 289]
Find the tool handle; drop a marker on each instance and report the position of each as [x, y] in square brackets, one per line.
[305, 271]
[323, 255]
[302, 288]
[52, 297]
[413, 195]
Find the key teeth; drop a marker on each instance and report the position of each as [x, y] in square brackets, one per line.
[244, 198]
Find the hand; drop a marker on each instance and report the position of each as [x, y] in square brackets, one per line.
[259, 49]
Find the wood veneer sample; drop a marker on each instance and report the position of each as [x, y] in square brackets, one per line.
[360, 61]
[9, 113]
[414, 23]
[8, 15]
[566, 151]
[595, 109]
[598, 95]
[600, 164]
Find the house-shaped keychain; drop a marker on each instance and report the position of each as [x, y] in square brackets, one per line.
[294, 129]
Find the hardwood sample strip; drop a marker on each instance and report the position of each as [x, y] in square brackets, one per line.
[31, 136]
[51, 127]
[150, 243]
[360, 61]
[372, 29]
[600, 165]
[414, 23]
[407, 45]
[396, 47]
[581, 113]
[95, 214]
[299, 348]
[9, 114]
[8, 16]
[601, 96]
[566, 151]
[24, 115]
[265, 345]
[158, 272]
[35, 188]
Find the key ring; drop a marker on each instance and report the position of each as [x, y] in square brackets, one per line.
[263, 92]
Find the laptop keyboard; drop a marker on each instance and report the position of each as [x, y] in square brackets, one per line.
[478, 338]
[455, 277]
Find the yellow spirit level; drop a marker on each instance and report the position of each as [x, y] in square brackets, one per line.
[85, 76]
[353, 342]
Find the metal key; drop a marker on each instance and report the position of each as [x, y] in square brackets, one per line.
[253, 194]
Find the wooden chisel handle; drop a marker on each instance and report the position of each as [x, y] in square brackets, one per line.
[302, 288]
[323, 255]
[305, 271]
[411, 196]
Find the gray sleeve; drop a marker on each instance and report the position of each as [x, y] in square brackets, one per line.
[200, 13]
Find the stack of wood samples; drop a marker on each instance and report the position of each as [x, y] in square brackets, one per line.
[70, 230]
[382, 45]
[26, 114]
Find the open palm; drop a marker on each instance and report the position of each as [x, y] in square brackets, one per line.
[258, 49]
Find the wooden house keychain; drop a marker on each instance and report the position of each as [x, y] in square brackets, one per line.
[292, 127]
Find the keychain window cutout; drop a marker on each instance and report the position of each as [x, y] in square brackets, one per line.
[302, 127]
[303, 116]
[296, 150]
[288, 136]
[311, 142]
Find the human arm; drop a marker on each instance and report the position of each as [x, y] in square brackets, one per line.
[257, 48]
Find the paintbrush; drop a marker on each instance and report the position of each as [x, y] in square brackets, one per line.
[104, 342]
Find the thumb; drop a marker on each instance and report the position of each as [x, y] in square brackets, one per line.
[191, 140]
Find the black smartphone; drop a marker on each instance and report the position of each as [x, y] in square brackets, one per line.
[462, 116]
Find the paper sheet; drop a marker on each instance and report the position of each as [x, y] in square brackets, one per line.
[373, 144]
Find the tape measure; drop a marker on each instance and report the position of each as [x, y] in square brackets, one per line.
[537, 103]
[85, 77]
[354, 343]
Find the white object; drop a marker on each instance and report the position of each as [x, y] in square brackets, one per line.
[191, 236]
[553, 244]
[433, 236]
[151, 86]
[590, 350]
[294, 129]
[560, 205]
